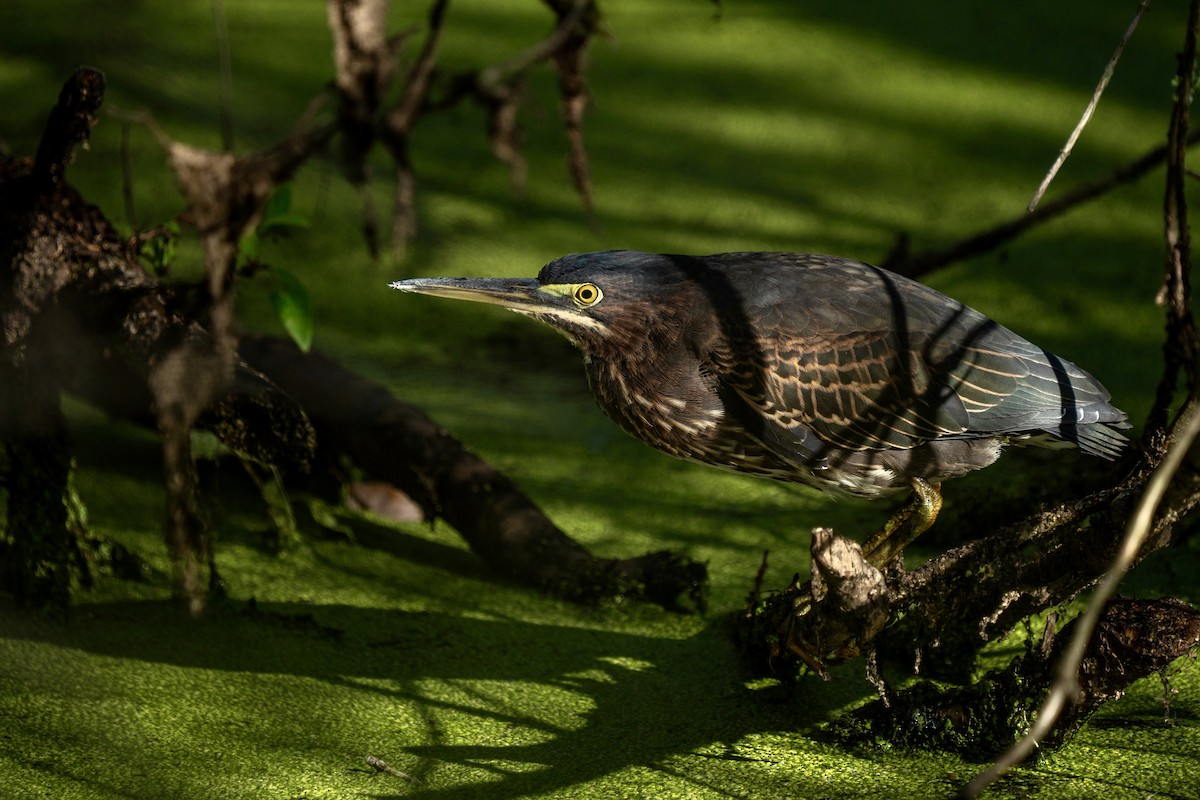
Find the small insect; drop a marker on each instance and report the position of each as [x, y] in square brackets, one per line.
[383, 766]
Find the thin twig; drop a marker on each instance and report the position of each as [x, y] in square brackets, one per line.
[573, 100]
[1181, 346]
[1065, 153]
[398, 126]
[927, 261]
[500, 73]
[416, 83]
[1066, 685]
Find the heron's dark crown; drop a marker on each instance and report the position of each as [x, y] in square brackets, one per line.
[627, 272]
[642, 292]
[637, 275]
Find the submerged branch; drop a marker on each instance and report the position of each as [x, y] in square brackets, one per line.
[395, 442]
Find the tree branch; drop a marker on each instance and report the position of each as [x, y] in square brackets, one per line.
[1065, 689]
[397, 128]
[915, 265]
[1105, 77]
[1181, 348]
[68, 126]
[394, 442]
[225, 195]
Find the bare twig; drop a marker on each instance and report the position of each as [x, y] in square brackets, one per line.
[127, 179]
[398, 126]
[1066, 686]
[365, 64]
[504, 71]
[927, 261]
[570, 58]
[416, 81]
[1181, 348]
[500, 86]
[1065, 153]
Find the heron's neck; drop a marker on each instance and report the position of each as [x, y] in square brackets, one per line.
[653, 387]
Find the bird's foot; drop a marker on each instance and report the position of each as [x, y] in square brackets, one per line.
[913, 519]
[829, 618]
[837, 614]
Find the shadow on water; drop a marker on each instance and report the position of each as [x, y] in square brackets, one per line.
[648, 698]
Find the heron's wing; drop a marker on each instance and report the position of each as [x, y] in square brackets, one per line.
[832, 353]
[864, 392]
[860, 391]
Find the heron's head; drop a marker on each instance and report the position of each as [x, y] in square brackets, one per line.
[598, 300]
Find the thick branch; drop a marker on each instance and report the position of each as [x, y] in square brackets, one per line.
[69, 125]
[395, 442]
[940, 615]
[1133, 639]
[38, 546]
[81, 310]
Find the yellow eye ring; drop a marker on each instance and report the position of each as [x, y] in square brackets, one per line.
[587, 294]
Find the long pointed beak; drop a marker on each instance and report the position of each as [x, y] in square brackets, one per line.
[515, 293]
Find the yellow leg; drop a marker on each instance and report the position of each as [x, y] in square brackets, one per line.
[808, 641]
[905, 525]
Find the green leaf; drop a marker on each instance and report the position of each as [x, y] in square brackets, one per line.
[279, 203]
[292, 305]
[278, 216]
[248, 246]
[283, 223]
[158, 253]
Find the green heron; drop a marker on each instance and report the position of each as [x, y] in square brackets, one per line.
[806, 368]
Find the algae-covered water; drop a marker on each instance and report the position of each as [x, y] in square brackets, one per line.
[819, 127]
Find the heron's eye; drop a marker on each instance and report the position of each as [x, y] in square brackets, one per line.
[587, 294]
